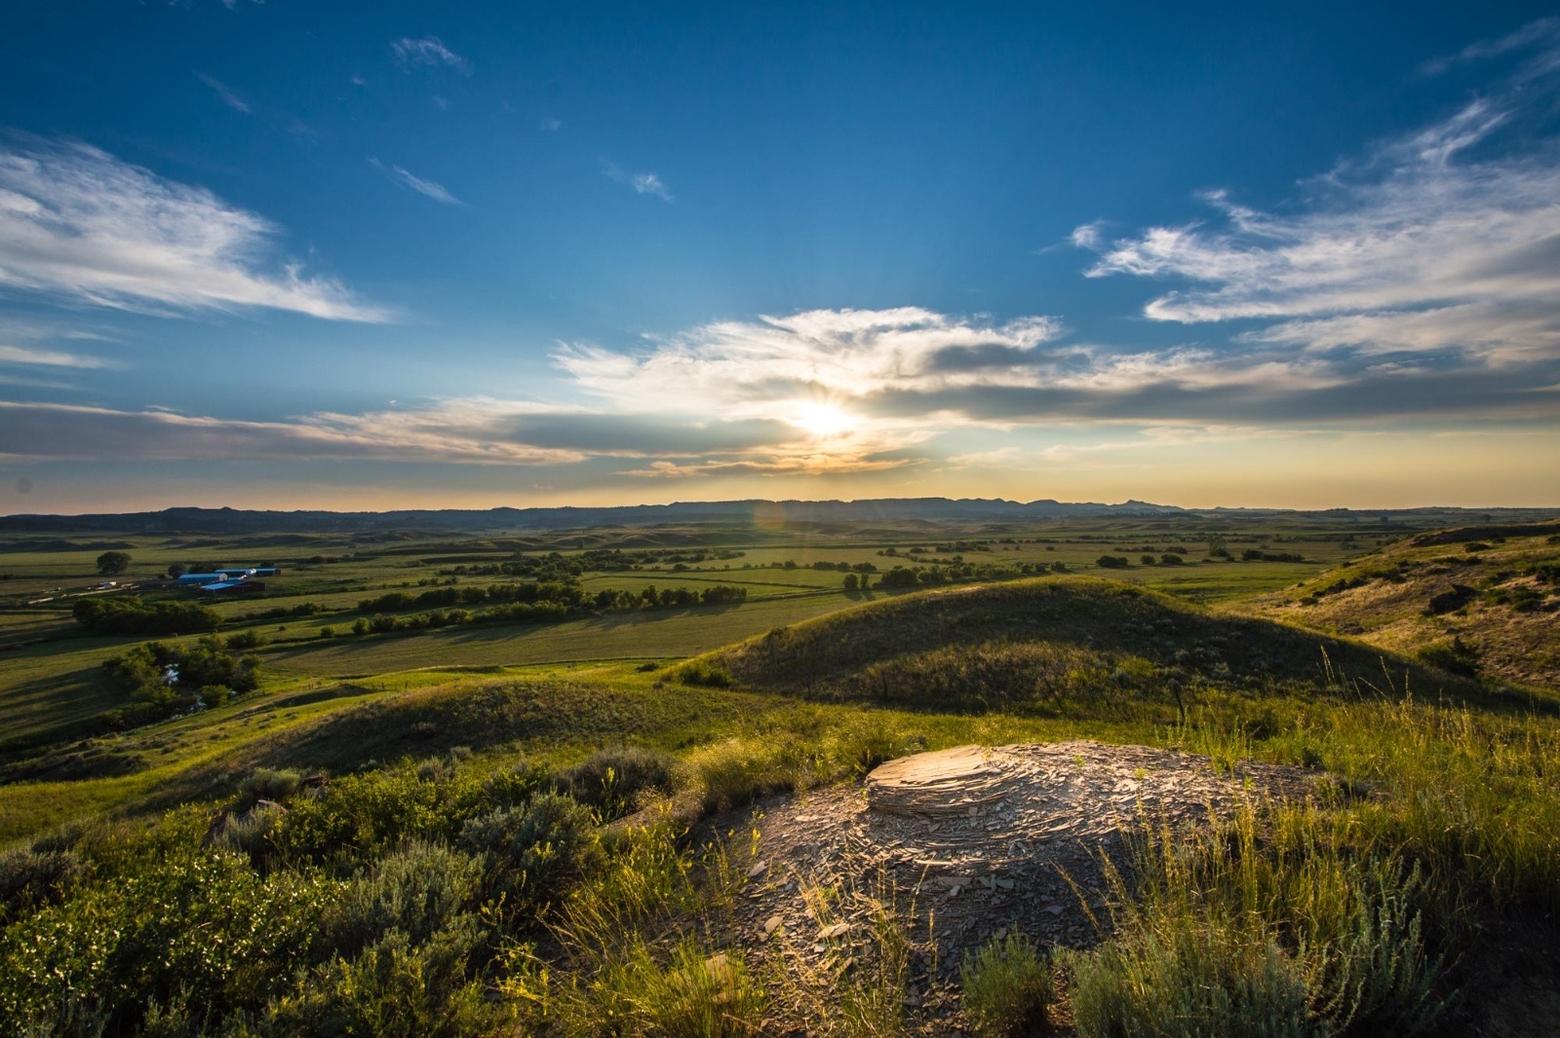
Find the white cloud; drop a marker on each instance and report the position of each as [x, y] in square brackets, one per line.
[650, 184]
[643, 183]
[51, 358]
[223, 91]
[428, 188]
[1417, 248]
[78, 223]
[1542, 34]
[412, 51]
[744, 367]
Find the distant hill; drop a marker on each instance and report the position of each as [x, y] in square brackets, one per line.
[754, 511]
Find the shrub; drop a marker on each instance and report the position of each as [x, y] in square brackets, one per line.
[200, 921]
[1176, 981]
[531, 852]
[393, 988]
[611, 780]
[419, 890]
[31, 878]
[1111, 562]
[243, 641]
[214, 695]
[1266, 926]
[251, 833]
[268, 784]
[1454, 657]
[707, 675]
[1007, 988]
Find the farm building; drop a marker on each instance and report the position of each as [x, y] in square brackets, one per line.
[227, 573]
[233, 587]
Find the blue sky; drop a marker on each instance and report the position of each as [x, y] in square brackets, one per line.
[324, 255]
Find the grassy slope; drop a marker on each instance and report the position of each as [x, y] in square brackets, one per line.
[1388, 608]
[1098, 615]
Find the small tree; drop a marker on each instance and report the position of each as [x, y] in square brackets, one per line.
[851, 582]
[113, 563]
[176, 571]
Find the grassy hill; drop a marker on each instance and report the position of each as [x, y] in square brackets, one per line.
[1056, 640]
[1483, 599]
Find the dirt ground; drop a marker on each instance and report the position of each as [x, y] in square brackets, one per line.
[965, 845]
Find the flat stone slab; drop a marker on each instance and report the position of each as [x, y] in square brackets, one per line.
[940, 782]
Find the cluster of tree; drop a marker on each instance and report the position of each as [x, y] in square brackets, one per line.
[567, 593]
[1167, 558]
[282, 612]
[1258, 555]
[648, 597]
[528, 603]
[512, 612]
[902, 578]
[130, 615]
[1112, 562]
[555, 566]
[113, 563]
[161, 678]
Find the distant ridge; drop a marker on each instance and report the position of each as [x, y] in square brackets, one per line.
[757, 511]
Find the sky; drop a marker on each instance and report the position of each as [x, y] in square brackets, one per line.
[304, 254]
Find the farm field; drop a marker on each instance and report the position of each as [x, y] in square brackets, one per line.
[585, 674]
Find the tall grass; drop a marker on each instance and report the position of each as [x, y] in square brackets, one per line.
[1267, 924]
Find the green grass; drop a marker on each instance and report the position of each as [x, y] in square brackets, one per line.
[1384, 905]
[672, 633]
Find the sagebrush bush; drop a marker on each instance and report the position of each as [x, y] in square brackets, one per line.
[33, 877]
[252, 833]
[1007, 988]
[418, 890]
[611, 780]
[276, 784]
[1233, 928]
[531, 852]
[395, 988]
[1181, 981]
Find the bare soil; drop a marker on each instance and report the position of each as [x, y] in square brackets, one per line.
[967, 844]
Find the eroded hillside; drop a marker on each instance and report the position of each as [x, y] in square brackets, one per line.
[1482, 600]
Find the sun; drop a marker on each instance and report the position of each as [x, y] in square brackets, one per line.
[823, 420]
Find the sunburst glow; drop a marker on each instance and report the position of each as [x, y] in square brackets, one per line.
[822, 421]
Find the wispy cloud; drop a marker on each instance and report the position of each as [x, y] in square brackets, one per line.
[412, 51]
[80, 224]
[1419, 247]
[644, 182]
[427, 188]
[1542, 35]
[53, 430]
[470, 430]
[223, 91]
[550, 124]
[51, 358]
